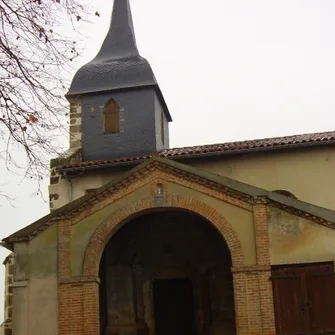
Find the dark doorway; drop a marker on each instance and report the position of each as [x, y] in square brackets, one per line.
[174, 307]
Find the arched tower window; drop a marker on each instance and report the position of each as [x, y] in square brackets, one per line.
[111, 117]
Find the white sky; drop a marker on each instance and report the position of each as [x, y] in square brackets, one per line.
[229, 70]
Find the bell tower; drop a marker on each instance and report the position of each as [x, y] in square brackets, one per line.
[116, 99]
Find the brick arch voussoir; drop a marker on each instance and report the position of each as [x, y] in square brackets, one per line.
[109, 226]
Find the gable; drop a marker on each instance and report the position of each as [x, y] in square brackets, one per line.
[295, 239]
[240, 219]
[228, 190]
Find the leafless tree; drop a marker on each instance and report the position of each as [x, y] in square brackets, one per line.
[34, 55]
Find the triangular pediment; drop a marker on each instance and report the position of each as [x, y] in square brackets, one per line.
[157, 168]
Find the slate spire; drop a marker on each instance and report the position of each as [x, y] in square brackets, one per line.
[120, 41]
[118, 64]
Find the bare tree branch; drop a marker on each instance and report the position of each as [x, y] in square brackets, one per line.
[34, 56]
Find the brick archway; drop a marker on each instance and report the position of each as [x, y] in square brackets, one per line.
[107, 228]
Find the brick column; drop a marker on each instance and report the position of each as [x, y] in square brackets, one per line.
[264, 262]
[78, 297]
[241, 302]
[79, 306]
[261, 234]
[253, 293]
[252, 285]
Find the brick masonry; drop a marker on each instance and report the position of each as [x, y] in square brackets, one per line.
[79, 297]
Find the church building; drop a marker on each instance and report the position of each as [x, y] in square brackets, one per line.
[224, 239]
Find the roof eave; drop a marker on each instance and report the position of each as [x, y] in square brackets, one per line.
[251, 193]
[197, 156]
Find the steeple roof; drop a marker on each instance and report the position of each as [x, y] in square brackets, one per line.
[118, 64]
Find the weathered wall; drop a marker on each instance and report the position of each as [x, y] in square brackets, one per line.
[6, 327]
[35, 285]
[296, 240]
[307, 173]
[82, 231]
[241, 221]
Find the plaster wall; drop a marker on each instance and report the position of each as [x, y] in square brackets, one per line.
[79, 188]
[82, 231]
[307, 173]
[296, 240]
[20, 310]
[241, 221]
[35, 296]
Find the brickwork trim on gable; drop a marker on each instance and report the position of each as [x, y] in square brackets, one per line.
[158, 177]
[106, 229]
[242, 195]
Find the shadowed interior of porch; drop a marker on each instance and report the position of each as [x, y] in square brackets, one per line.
[166, 272]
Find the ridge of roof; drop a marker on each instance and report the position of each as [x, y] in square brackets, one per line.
[265, 144]
[316, 213]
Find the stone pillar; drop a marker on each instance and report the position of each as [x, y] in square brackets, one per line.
[75, 123]
[6, 326]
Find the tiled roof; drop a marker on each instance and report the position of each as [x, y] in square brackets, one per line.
[266, 144]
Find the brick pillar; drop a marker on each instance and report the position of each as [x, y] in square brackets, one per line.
[252, 285]
[241, 302]
[264, 264]
[91, 309]
[79, 306]
[253, 294]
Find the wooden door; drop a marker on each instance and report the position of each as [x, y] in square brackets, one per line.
[304, 299]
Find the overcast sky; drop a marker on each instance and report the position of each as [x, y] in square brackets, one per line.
[229, 70]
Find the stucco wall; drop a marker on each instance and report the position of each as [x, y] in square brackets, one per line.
[307, 173]
[35, 286]
[82, 231]
[296, 240]
[241, 220]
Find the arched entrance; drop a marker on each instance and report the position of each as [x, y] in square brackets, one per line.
[166, 272]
